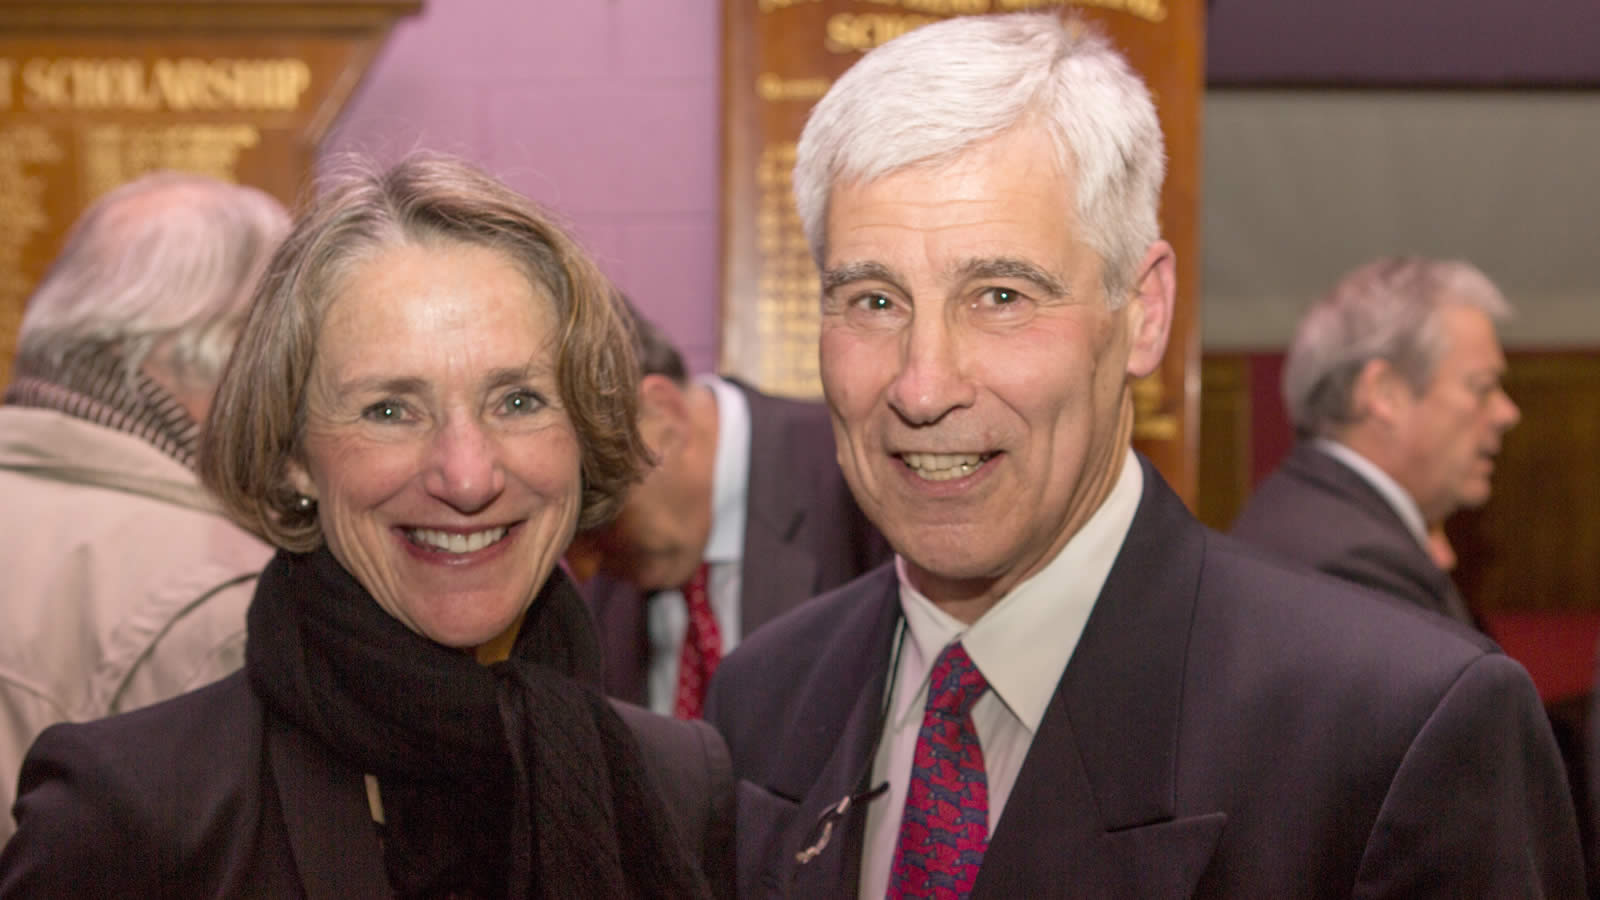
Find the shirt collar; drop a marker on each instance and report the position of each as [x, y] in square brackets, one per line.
[1397, 497]
[731, 475]
[1005, 643]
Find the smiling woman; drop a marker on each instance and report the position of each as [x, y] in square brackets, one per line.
[434, 388]
[437, 449]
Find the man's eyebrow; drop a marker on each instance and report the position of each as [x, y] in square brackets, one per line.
[848, 273]
[1011, 267]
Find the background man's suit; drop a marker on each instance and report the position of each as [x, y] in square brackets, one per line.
[1226, 727]
[803, 535]
[1317, 511]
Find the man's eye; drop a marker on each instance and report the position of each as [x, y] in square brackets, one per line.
[875, 302]
[1000, 297]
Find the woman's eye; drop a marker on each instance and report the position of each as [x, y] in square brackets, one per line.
[385, 411]
[522, 402]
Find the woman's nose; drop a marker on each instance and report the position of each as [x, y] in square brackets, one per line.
[466, 472]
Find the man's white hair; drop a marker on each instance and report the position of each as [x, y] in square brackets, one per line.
[1387, 309]
[927, 97]
[166, 261]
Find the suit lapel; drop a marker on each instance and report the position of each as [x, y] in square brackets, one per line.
[1325, 473]
[1095, 802]
[335, 844]
[621, 620]
[776, 514]
[847, 703]
[773, 560]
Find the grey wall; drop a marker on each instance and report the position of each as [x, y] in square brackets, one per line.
[1301, 186]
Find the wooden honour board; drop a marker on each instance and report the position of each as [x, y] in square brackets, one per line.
[780, 56]
[94, 93]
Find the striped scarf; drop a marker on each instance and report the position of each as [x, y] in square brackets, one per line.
[93, 384]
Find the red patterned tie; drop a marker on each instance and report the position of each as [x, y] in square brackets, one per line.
[702, 648]
[946, 824]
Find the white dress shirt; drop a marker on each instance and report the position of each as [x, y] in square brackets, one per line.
[1397, 497]
[1021, 646]
[667, 614]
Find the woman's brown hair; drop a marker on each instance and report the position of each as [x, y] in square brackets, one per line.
[256, 421]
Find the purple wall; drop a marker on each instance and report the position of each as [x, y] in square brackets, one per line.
[605, 110]
[1405, 43]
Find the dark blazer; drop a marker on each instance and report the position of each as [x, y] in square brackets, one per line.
[803, 535]
[1227, 726]
[1317, 511]
[206, 795]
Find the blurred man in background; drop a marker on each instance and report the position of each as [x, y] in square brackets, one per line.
[123, 584]
[744, 516]
[1393, 385]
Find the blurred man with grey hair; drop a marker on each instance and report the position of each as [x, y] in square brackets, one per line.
[1393, 385]
[123, 583]
[1064, 685]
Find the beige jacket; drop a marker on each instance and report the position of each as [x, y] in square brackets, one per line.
[120, 583]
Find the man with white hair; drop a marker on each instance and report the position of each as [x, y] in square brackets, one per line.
[123, 583]
[1064, 685]
[1393, 384]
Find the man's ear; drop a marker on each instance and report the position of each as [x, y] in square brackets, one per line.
[663, 413]
[1379, 393]
[1149, 309]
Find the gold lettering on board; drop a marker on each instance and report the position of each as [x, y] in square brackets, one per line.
[859, 32]
[113, 154]
[941, 7]
[179, 85]
[767, 6]
[772, 87]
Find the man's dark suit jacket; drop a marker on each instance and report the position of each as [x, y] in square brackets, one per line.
[803, 535]
[1227, 726]
[1315, 510]
[255, 808]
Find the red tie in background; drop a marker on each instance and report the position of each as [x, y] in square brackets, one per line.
[946, 824]
[702, 648]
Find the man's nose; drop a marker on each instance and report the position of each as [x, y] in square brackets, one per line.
[1509, 414]
[933, 377]
[465, 471]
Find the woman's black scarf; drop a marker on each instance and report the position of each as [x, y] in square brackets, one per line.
[516, 778]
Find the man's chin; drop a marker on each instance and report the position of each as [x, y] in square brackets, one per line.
[661, 578]
[949, 579]
[1474, 498]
